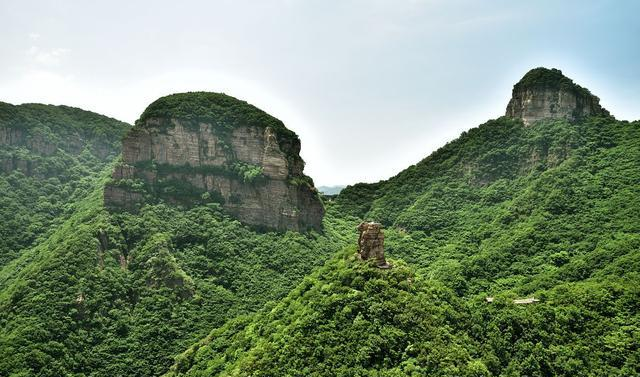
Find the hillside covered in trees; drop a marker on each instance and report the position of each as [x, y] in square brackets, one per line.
[352, 319]
[120, 293]
[508, 210]
[518, 207]
[50, 159]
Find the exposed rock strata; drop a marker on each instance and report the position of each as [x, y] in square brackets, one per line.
[256, 176]
[548, 94]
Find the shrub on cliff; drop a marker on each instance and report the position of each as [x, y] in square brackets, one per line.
[223, 111]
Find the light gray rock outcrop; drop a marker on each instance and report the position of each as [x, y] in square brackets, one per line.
[548, 94]
[257, 177]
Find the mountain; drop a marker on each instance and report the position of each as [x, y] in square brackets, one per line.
[151, 255]
[199, 147]
[50, 158]
[346, 319]
[351, 319]
[330, 190]
[546, 93]
[119, 291]
[518, 206]
[536, 204]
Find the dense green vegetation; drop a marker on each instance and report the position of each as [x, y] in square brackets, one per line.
[346, 319]
[224, 112]
[550, 78]
[58, 123]
[550, 210]
[121, 294]
[87, 292]
[505, 211]
[507, 206]
[351, 319]
[50, 158]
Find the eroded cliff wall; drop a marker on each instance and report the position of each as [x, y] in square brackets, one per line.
[547, 94]
[252, 168]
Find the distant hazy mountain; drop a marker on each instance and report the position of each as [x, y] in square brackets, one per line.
[330, 190]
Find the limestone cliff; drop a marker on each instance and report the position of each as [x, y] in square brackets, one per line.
[546, 93]
[192, 148]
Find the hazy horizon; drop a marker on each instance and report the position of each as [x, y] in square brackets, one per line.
[370, 87]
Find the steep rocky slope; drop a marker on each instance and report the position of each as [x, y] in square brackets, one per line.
[547, 94]
[196, 147]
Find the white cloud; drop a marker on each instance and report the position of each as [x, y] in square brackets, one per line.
[47, 57]
[34, 36]
[41, 86]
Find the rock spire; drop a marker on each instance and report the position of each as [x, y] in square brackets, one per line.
[371, 244]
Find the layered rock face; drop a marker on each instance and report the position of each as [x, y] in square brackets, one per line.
[248, 162]
[371, 243]
[547, 94]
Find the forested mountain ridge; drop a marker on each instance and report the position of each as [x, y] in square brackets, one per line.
[50, 158]
[501, 148]
[545, 208]
[119, 293]
[518, 207]
[508, 203]
[351, 319]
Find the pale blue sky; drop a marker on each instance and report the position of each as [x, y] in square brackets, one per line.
[370, 86]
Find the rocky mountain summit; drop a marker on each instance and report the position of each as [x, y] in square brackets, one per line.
[197, 147]
[546, 93]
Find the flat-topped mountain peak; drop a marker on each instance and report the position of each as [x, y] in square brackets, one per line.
[221, 110]
[192, 148]
[545, 93]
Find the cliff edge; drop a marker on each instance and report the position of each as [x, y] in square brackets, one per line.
[192, 148]
[547, 94]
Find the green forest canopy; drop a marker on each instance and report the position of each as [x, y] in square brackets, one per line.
[550, 210]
